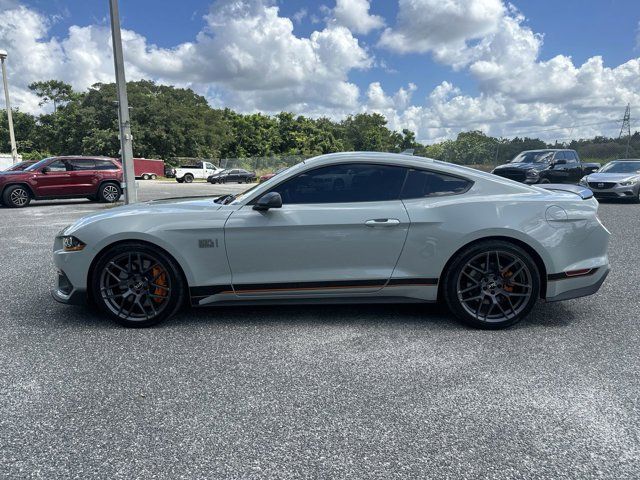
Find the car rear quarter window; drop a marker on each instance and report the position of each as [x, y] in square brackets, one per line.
[422, 183]
[345, 183]
[105, 165]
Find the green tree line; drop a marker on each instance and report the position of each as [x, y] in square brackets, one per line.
[169, 122]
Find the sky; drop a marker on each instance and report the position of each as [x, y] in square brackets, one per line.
[544, 68]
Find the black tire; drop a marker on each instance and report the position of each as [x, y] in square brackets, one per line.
[544, 180]
[132, 298]
[154, 177]
[180, 180]
[145, 177]
[109, 192]
[188, 178]
[492, 287]
[16, 196]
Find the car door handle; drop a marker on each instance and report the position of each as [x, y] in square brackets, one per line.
[382, 222]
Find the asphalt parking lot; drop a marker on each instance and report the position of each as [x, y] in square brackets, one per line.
[313, 392]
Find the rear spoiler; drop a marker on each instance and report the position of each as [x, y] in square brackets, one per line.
[582, 192]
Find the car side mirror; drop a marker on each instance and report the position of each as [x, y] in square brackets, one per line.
[268, 201]
[560, 162]
[45, 170]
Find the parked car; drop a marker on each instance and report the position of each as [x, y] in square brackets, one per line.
[233, 175]
[201, 170]
[616, 179]
[268, 176]
[96, 178]
[405, 229]
[18, 167]
[546, 166]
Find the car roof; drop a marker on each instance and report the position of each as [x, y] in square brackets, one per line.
[625, 160]
[549, 150]
[81, 157]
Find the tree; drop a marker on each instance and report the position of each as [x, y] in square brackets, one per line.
[52, 91]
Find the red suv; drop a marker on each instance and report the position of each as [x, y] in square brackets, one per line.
[96, 178]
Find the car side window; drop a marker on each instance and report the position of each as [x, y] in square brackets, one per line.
[58, 166]
[571, 157]
[81, 164]
[105, 165]
[344, 183]
[422, 183]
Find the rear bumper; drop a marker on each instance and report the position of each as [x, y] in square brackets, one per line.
[576, 287]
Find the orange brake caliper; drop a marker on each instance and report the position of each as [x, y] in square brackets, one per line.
[161, 279]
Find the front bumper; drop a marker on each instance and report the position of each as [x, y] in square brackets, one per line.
[65, 292]
[617, 192]
[576, 287]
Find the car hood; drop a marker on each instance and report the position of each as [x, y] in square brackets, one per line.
[612, 177]
[163, 208]
[13, 172]
[522, 166]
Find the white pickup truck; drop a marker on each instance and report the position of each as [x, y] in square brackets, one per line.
[203, 170]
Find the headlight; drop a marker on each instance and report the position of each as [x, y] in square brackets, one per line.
[628, 183]
[72, 244]
[532, 173]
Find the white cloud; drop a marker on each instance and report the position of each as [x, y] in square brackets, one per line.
[442, 27]
[354, 14]
[247, 54]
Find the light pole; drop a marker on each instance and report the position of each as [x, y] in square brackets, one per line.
[14, 150]
[126, 140]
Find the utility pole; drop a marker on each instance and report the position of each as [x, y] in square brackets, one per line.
[126, 139]
[12, 138]
[626, 128]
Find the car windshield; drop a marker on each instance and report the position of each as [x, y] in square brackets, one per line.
[621, 167]
[37, 165]
[532, 157]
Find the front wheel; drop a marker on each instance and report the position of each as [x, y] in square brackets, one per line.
[545, 180]
[16, 196]
[491, 285]
[137, 285]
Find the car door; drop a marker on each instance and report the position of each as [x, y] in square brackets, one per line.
[574, 169]
[340, 230]
[83, 176]
[558, 172]
[233, 175]
[55, 182]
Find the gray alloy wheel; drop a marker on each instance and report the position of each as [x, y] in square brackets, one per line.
[109, 193]
[137, 285]
[492, 284]
[16, 196]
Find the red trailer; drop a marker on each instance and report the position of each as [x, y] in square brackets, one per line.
[148, 168]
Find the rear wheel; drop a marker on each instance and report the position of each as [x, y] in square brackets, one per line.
[137, 285]
[492, 284]
[145, 177]
[16, 196]
[109, 193]
[188, 178]
[154, 177]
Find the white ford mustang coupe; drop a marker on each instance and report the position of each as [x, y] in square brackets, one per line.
[347, 227]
